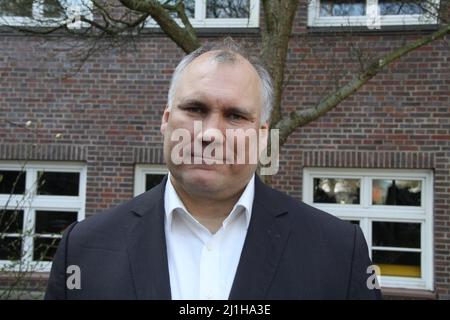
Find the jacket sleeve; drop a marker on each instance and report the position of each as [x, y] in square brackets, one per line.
[56, 287]
[362, 280]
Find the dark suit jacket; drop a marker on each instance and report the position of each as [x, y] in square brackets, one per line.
[291, 251]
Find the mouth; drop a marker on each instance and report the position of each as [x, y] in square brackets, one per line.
[196, 159]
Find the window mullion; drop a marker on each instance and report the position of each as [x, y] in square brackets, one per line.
[29, 219]
[38, 9]
[372, 15]
[366, 192]
[425, 256]
[308, 185]
[364, 224]
[200, 10]
[399, 249]
[372, 4]
[28, 231]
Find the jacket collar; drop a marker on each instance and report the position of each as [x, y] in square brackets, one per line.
[147, 246]
[266, 238]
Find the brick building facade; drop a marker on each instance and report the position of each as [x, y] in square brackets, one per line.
[101, 126]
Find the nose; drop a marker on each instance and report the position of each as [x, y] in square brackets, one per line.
[209, 136]
[212, 130]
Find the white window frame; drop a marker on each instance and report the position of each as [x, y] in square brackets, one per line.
[34, 202]
[365, 212]
[200, 20]
[74, 10]
[141, 170]
[372, 19]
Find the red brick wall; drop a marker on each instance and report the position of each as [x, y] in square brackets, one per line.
[109, 112]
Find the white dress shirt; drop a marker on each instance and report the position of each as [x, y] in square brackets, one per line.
[202, 265]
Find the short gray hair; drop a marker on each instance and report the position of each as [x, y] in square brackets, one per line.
[227, 53]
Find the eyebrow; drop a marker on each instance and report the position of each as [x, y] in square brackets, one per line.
[192, 103]
[229, 110]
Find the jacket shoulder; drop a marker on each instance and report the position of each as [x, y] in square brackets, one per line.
[315, 222]
[107, 229]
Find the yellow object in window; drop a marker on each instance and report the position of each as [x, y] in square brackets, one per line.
[400, 270]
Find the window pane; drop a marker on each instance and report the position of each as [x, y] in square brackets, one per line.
[45, 248]
[16, 8]
[189, 7]
[10, 248]
[400, 264]
[396, 234]
[54, 221]
[53, 9]
[12, 182]
[396, 192]
[393, 7]
[339, 8]
[342, 191]
[58, 183]
[152, 180]
[228, 9]
[353, 222]
[11, 221]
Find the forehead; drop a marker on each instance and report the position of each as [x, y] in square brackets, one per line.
[221, 58]
[228, 81]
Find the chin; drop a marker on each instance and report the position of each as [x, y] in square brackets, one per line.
[202, 180]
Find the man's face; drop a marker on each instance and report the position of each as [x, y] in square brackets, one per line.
[219, 96]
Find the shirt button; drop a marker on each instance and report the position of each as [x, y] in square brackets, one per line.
[209, 247]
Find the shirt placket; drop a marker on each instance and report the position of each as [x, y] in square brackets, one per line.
[210, 269]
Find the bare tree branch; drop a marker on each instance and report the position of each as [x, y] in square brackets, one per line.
[278, 18]
[185, 38]
[296, 119]
[275, 38]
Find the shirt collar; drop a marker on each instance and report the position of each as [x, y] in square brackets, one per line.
[173, 202]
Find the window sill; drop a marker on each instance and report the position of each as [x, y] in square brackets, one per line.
[150, 31]
[407, 294]
[366, 30]
[24, 286]
[33, 276]
[210, 30]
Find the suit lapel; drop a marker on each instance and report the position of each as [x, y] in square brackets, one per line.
[147, 246]
[266, 238]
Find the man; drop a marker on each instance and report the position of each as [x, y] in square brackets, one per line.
[212, 229]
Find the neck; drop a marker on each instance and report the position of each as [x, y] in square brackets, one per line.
[209, 211]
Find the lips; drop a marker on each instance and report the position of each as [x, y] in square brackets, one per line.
[193, 156]
[223, 159]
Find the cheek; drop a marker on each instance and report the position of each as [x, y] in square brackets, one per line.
[240, 172]
[178, 121]
[179, 132]
[244, 145]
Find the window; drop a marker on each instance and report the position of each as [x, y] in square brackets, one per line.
[220, 13]
[371, 13]
[37, 202]
[45, 13]
[148, 176]
[393, 209]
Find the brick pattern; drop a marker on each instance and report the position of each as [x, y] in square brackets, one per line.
[369, 159]
[108, 113]
[149, 155]
[43, 152]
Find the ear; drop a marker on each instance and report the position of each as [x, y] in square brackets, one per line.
[165, 119]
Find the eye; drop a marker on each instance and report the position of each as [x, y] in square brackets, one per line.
[235, 117]
[195, 110]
